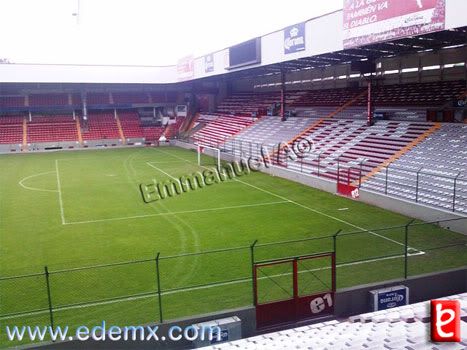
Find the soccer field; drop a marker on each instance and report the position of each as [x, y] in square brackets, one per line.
[73, 210]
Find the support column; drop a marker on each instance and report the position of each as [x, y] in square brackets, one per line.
[85, 108]
[282, 113]
[369, 105]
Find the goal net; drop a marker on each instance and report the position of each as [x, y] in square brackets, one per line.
[209, 156]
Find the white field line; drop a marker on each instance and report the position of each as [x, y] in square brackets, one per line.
[33, 188]
[162, 171]
[176, 212]
[308, 208]
[189, 289]
[324, 214]
[285, 199]
[59, 189]
[168, 162]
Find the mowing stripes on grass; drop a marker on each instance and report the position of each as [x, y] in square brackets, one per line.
[257, 207]
[302, 206]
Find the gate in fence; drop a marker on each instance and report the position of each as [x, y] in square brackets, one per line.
[294, 289]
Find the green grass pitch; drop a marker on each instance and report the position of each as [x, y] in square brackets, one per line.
[76, 209]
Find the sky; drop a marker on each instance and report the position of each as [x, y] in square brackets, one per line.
[140, 32]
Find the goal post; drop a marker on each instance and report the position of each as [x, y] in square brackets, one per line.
[209, 151]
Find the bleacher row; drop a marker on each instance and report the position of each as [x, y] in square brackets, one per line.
[96, 98]
[341, 139]
[384, 96]
[64, 128]
[406, 327]
[440, 162]
[342, 143]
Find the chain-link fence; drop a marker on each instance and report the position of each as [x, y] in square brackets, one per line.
[170, 287]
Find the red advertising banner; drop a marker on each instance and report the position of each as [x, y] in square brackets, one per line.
[371, 21]
[185, 68]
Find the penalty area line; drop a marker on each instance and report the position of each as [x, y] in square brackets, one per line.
[176, 212]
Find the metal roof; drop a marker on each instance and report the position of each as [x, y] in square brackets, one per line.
[410, 45]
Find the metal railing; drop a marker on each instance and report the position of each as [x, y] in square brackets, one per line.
[425, 186]
[441, 190]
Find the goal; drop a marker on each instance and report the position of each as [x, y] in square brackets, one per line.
[208, 156]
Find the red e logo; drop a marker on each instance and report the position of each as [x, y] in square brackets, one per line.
[445, 321]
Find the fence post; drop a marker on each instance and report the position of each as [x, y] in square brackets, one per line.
[319, 161]
[416, 185]
[159, 296]
[406, 247]
[252, 258]
[386, 182]
[360, 174]
[334, 247]
[454, 192]
[49, 296]
[338, 168]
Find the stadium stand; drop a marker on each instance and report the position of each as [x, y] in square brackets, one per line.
[98, 98]
[326, 97]
[417, 94]
[172, 129]
[353, 142]
[12, 101]
[152, 134]
[92, 98]
[268, 131]
[129, 98]
[76, 100]
[51, 129]
[130, 123]
[48, 100]
[440, 161]
[405, 327]
[250, 103]
[101, 126]
[11, 130]
[220, 128]
[367, 149]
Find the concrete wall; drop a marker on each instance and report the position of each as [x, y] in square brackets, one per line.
[246, 315]
[356, 300]
[10, 148]
[42, 146]
[415, 210]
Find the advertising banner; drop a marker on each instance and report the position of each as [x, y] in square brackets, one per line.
[185, 68]
[294, 38]
[209, 63]
[372, 21]
[387, 298]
